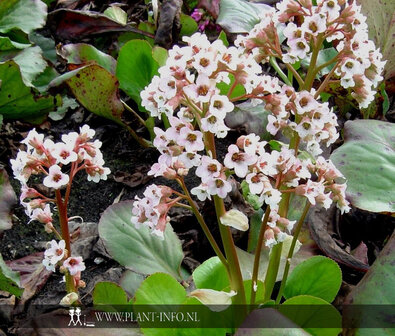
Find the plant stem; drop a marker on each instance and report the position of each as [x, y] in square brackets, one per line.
[203, 224]
[236, 279]
[141, 120]
[64, 227]
[296, 75]
[291, 251]
[325, 82]
[276, 67]
[141, 141]
[308, 83]
[257, 257]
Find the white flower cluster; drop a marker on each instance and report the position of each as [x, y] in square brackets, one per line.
[304, 25]
[43, 156]
[56, 254]
[314, 122]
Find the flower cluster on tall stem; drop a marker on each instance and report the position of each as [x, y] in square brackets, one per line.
[76, 151]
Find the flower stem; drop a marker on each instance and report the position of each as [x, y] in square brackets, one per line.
[291, 251]
[257, 257]
[141, 120]
[276, 67]
[326, 81]
[64, 227]
[311, 73]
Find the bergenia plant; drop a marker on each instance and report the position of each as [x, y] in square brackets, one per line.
[190, 92]
[58, 163]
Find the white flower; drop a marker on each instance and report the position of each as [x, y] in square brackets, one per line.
[55, 179]
[238, 160]
[235, 219]
[42, 215]
[64, 153]
[74, 265]
[201, 192]
[55, 252]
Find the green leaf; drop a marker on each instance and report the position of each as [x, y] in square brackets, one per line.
[131, 281]
[138, 249]
[240, 16]
[31, 64]
[42, 81]
[255, 227]
[160, 55]
[83, 53]
[310, 313]
[381, 23]
[223, 38]
[375, 291]
[237, 91]
[96, 89]
[135, 68]
[188, 25]
[109, 293]
[318, 276]
[46, 44]
[386, 101]
[68, 103]
[9, 280]
[7, 199]
[17, 101]
[211, 274]
[260, 290]
[367, 160]
[7, 44]
[117, 14]
[23, 15]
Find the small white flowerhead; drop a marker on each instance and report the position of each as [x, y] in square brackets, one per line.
[74, 265]
[55, 179]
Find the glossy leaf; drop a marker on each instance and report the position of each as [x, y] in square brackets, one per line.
[9, 280]
[188, 25]
[7, 200]
[240, 16]
[95, 88]
[7, 44]
[318, 276]
[138, 249]
[17, 101]
[31, 63]
[109, 293]
[160, 55]
[316, 316]
[211, 274]
[381, 23]
[23, 15]
[367, 160]
[136, 67]
[117, 14]
[83, 53]
[375, 290]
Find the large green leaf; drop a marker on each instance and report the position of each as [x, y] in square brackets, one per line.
[367, 160]
[136, 67]
[82, 53]
[7, 44]
[131, 281]
[381, 23]
[7, 200]
[211, 274]
[373, 298]
[95, 88]
[316, 316]
[22, 14]
[9, 280]
[46, 44]
[17, 101]
[240, 16]
[138, 249]
[318, 276]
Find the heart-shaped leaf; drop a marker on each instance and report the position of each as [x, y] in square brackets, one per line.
[367, 160]
[211, 274]
[138, 249]
[108, 294]
[17, 101]
[318, 276]
[23, 15]
[136, 67]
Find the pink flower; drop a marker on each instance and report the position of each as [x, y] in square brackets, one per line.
[74, 265]
[64, 153]
[55, 251]
[42, 215]
[239, 161]
[219, 186]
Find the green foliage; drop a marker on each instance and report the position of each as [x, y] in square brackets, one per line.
[135, 68]
[108, 293]
[17, 101]
[9, 280]
[211, 274]
[117, 14]
[367, 160]
[324, 56]
[255, 227]
[130, 281]
[313, 311]
[318, 276]
[188, 25]
[138, 249]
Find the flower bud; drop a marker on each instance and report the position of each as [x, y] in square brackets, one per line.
[69, 299]
[217, 300]
[235, 219]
